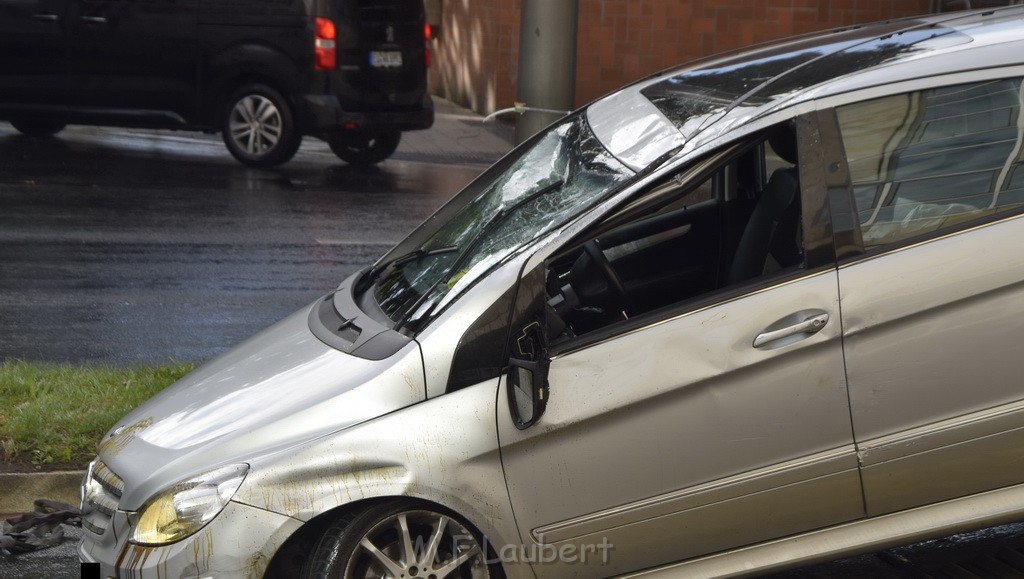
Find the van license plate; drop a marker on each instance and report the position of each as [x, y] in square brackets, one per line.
[385, 58]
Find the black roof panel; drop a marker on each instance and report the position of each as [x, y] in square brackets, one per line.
[756, 78]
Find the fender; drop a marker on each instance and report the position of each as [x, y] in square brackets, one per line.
[250, 61]
[435, 451]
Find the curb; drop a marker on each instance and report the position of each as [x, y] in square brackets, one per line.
[18, 490]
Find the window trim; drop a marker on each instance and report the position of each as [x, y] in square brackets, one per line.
[932, 236]
[846, 232]
[820, 176]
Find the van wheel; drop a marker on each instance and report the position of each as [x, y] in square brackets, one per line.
[259, 128]
[399, 539]
[364, 148]
[38, 127]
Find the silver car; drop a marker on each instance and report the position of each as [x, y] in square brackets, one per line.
[763, 310]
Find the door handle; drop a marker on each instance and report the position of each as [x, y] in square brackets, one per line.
[93, 19]
[46, 17]
[808, 326]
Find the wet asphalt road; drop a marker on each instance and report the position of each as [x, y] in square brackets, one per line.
[127, 247]
[59, 562]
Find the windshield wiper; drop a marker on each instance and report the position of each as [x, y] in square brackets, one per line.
[504, 213]
[658, 162]
[414, 255]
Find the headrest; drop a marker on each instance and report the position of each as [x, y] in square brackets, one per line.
[783, 141]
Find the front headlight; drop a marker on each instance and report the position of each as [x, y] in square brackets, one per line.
[183, 509]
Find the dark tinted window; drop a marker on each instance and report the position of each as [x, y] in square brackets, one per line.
[481, 353]
[928, 160]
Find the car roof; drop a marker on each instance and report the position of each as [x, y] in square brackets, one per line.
[697, 102]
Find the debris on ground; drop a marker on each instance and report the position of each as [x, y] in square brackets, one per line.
[40, 529]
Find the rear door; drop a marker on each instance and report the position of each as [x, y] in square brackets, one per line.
[933, 290]
[381, 54]
[33, 52]
[139, 57]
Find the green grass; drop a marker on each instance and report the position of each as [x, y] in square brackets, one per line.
[54, 415]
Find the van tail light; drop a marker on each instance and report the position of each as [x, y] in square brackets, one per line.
[325, 52]
[428, 34]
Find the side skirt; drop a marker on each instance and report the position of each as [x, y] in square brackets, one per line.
[864, 536]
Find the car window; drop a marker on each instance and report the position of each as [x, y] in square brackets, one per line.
[925, 161]
[685, 238]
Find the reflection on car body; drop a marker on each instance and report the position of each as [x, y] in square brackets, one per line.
[751, 313]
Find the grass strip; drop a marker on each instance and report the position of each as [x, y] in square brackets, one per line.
[55, 414]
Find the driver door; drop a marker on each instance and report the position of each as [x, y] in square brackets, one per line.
[670, 435]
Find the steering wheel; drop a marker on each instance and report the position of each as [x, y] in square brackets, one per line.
[605, 267]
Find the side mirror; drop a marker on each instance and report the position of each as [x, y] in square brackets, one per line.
[527, 391]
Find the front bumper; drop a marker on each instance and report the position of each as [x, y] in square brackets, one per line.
[324, 115]
[239, 542]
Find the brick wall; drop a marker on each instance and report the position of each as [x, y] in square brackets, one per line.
[622, 40]
[474, 60]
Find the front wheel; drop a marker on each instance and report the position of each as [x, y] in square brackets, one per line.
[38, 127]
[364, 148]
[399, 539]
[259, 128]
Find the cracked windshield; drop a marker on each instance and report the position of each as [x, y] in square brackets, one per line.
[564, 173]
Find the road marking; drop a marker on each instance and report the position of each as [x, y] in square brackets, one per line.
[320, 241]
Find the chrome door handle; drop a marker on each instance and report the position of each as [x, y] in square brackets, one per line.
[46, 17]
[808, 326]
[93, 19]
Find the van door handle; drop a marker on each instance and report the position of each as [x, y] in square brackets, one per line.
[93, 19]
[46, 17]
[810, 325]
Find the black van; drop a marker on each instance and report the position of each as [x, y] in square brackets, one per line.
[262, 72]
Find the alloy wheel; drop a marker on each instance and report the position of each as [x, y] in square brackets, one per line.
[418, 545]
[255, 124]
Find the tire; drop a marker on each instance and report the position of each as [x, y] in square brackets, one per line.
[342, 553]
[259, 127]
[364, 148]
[38, 127]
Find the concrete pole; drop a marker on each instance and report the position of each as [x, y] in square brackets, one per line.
[547, 62]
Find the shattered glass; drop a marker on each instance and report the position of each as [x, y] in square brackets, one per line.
[560, 177]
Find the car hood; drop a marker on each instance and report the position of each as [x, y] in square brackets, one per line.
[277, 389]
